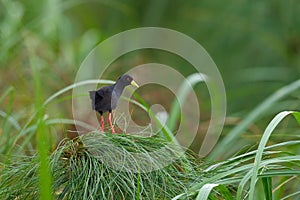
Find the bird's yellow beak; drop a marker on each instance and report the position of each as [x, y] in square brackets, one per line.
[134, 83]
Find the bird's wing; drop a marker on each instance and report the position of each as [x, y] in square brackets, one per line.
[100, 94]
[96, 96]
[101, 99]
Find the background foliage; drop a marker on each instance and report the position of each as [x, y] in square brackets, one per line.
[255, 44]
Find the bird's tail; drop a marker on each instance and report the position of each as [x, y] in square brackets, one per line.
[93, 97]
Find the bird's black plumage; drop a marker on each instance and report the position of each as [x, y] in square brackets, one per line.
[106, 98]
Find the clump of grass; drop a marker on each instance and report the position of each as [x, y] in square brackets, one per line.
[85, 168]
[258, 174]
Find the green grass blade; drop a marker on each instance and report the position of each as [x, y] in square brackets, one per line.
[45, 178]
[242, 171]
[6, 93]
[11, 120]
[242, 184]
[43, 145]
[291, 195]
[205, 191]
[267, 185]
[252, 116]
[183, 92]
[281, 172]
[70, 87]
[224, 192]
[258, 158]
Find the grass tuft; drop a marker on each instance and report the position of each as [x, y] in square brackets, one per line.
[85, 168]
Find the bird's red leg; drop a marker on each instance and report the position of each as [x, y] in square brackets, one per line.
[110, 123]
[102, 123]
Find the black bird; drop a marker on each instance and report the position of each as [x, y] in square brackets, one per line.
[106, 98]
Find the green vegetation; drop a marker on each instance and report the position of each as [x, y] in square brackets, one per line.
[256, 46]
[85, 168]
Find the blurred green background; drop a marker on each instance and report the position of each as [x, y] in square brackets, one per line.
[255, 44]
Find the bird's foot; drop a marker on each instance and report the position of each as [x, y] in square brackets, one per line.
[113, 130]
